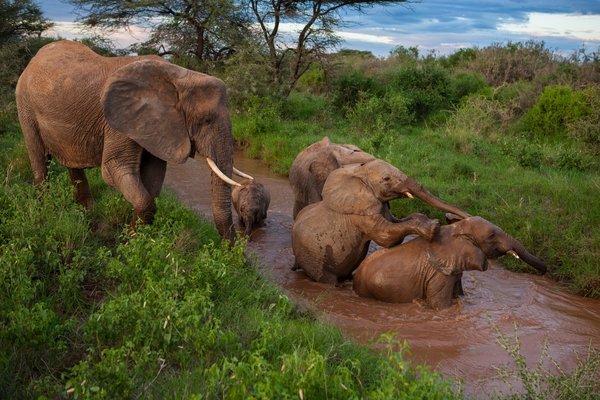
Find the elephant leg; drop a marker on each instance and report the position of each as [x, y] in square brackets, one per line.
[131, 186]
[152, 171]
[36, 150]
[329, 278]
[83, 195]
[388, 234]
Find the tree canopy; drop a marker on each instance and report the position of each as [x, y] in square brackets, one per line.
[20, 18]
[212, 30]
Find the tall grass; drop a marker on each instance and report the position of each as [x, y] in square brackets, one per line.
[91, 309]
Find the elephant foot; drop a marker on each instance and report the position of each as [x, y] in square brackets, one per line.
[295, 267]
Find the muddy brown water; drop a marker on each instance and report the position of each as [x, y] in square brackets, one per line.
[459, 342]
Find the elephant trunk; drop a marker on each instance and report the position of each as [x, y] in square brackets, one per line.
[526, 256]
[222, 155]
[423, 194]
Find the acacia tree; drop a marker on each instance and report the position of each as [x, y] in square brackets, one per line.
[206, 29]
[20, 18]
[291, 55]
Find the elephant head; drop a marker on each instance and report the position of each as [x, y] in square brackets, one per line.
[492, 241]
[175, 113]
[363, 189]
[312, 166]
[251, 201]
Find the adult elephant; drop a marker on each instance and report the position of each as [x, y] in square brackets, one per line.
[330, 238]
[312, 166]
[129, 115]
[432, 270]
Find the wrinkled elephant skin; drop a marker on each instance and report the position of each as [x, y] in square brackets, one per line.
[312, 166]
[432, 270]
[129, 115]
[330, 238]
[251, 202]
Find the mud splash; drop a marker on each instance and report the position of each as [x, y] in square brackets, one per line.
[460, 342]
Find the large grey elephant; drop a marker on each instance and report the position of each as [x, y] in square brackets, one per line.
[129, 115]
[312, 166]
[432, 270]
[330, 238]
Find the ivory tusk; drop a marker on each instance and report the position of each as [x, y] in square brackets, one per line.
[409, 195]
[512, 253]
[220, 173]
[242, 174]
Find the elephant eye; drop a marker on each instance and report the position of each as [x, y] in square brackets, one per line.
[386, 178]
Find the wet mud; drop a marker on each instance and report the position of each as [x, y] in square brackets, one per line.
[459, 342]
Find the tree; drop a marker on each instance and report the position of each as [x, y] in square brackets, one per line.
[206, 29]
[19, 19]
[290, 56]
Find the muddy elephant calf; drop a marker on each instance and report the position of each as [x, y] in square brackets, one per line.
[432, 270]
[251, 202]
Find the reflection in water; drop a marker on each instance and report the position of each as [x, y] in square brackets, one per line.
[460, 342]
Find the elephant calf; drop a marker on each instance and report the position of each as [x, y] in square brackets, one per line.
[251, 201]
[432, 270]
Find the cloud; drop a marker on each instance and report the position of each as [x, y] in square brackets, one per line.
[122, 38]
[574, 26]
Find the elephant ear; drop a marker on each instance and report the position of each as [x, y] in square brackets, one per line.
[459, 254]
[346, 193]
[140, 100]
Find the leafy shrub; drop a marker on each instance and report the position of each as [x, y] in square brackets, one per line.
[348, 89]
[379, 114]
[464, 84]
[557, 107]
[427, 88]
[586, 129]
[479, 115]
[514, 61]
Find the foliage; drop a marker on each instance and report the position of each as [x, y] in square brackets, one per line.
[291, 55]
[557, 107]
[381, 114]
[20, 19]
[210, 30]
[165, 311]
[514, 61]
[540, 382]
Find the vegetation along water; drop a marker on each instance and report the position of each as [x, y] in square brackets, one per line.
[91, 309]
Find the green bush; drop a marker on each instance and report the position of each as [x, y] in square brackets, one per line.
[464, 84]
[348, 89]
[372, 114]
[426, 87]
[586, 129]
[557, 107]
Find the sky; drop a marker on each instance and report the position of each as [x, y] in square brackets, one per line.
[442, 26]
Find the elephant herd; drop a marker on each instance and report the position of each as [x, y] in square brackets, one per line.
[133, 115]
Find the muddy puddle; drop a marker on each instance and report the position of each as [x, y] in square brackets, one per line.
[460, 342]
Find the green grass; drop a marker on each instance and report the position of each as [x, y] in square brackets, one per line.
[91, 309]
[552, 208]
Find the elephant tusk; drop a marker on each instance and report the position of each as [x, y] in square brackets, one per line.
[409, 195]
[513, 253]
[242, 174]
[220, 173]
